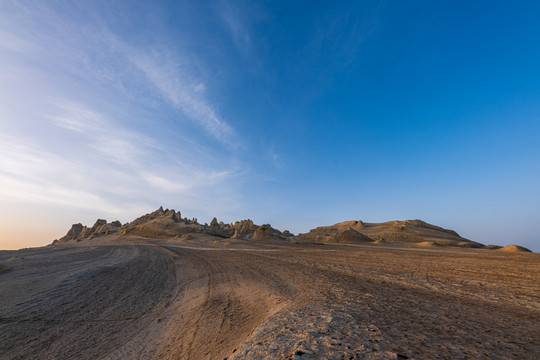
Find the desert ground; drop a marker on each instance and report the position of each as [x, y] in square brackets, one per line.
[200, 298]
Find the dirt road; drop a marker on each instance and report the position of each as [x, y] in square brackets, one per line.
[173, 300]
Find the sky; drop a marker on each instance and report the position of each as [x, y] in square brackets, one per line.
[293, 113]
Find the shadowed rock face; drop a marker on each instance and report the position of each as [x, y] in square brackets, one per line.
[415, 231]
[267, 232]
[78, 232]
[334, 235]
[350, 236]
[75, 231]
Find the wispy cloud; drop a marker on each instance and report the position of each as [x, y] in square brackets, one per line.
[77, 119]
[180, 89]
[236, 22]
[93, 51]
[90, 120]
[110, 168]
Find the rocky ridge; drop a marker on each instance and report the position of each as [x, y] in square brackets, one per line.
[169, 223]
[78, 232]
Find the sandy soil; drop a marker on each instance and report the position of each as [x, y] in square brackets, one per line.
[208, 299]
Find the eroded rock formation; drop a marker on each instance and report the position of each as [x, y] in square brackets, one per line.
[168, 223]
[415, 231]
[78, 232]
[164, 223]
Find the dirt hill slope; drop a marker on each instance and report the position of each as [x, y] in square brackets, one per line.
[414, 231]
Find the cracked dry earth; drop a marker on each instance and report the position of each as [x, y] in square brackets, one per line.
[242, 300]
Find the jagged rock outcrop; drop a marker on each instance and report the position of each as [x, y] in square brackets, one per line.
[416, 231]
[78, 232]
[73, 233]
[101, 227]
[159, 214]
[161, 223]
[265, 232]
[220, 229]
[165, 223]
[244, 229]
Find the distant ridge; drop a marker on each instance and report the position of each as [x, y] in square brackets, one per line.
[168, 223]
[413, 231]
[165, 223]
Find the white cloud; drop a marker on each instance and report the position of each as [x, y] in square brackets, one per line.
[77, 119]
[165, 184]
[93, 52]
[110, 169]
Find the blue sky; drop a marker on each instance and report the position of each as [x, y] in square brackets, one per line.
[296, 113]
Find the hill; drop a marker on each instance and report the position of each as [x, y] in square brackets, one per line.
[169, 224]
[412, 231]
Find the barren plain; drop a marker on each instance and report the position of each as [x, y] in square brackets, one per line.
[200, 297]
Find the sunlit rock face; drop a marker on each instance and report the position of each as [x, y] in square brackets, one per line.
[163, 223]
